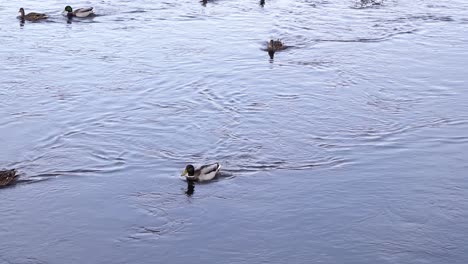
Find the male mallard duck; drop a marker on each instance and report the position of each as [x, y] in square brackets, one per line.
[80, 12]
[203, 173]
[31, 16]
[274, 46]
[7, 177]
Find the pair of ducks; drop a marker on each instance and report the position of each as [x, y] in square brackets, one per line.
[68, 12]
[191, 174]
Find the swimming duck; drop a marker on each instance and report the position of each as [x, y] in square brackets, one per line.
[31, 16]
[203, 173]
[80, 12]
[371, 2]
[274, 46]
[7, 177]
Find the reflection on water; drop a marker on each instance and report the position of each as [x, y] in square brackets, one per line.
[190, 188]
[348, 147]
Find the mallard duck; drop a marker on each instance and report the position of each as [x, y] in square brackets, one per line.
[31, 16]
[274, 46]
[80, 12]
[371, 2]
[203, 173]
[7, 177]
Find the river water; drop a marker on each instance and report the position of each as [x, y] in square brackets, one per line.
[350, 146]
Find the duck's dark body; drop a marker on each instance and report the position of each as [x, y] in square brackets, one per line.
[33, 16]
[7, 177]
[274, 46]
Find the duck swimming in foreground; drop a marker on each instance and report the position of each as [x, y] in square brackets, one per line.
[274, 46]
[203, 173]
[7, 177]
[31, 16]
[80, 12]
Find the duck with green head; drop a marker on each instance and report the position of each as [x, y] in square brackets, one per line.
[80, 12]
[202, 173]
[33, 16]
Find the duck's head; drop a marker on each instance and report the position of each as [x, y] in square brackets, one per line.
[68, 9]
[21, 10]
[189, 169]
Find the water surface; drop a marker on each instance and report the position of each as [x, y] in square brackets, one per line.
[348, 147]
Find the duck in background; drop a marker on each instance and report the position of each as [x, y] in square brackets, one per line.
[33, 16]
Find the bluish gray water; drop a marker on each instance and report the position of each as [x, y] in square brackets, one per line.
[350, 147]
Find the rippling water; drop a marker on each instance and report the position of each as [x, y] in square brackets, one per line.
[349, 147]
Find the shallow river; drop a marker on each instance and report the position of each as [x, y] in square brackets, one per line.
[351, 146]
